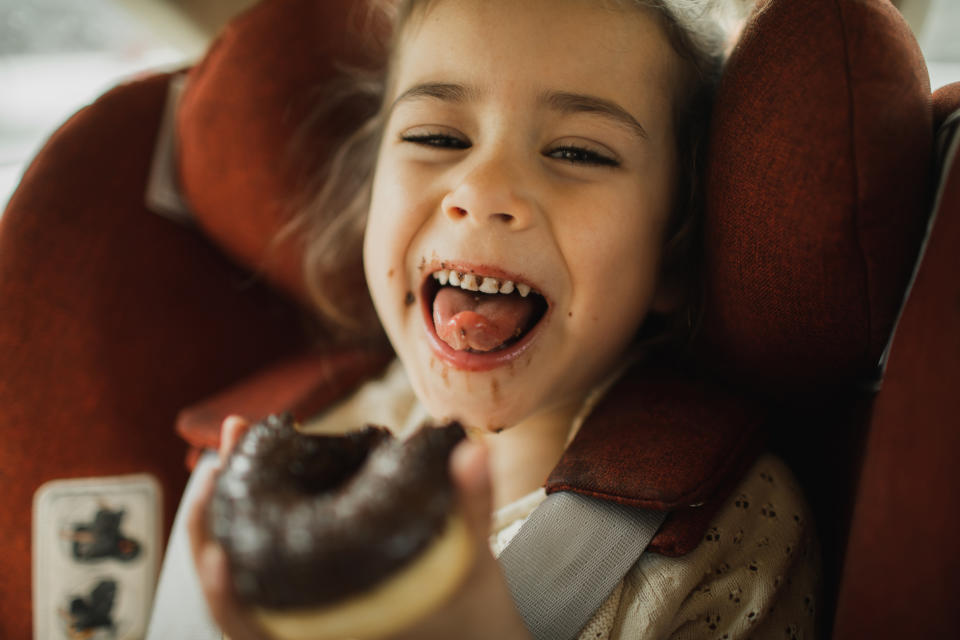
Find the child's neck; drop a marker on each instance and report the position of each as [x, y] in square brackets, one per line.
[523, 456]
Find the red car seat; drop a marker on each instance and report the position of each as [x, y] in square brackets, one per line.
[116, 320]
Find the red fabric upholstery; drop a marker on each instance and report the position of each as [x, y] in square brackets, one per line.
[661, 440]
[112, 320]
[817, 192]
[243, 108]
[946, 100]
[902, 572]
[818, 183]
[304, 385]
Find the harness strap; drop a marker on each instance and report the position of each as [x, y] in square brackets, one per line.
[568, 557]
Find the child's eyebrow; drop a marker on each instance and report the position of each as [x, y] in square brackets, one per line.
[580, 103]
[562, 101]
[447, 91]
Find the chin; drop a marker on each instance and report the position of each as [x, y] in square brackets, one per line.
[477, 399]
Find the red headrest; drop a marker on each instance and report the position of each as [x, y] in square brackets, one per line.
[946, 100]
[243, 107]
[817, 183]
[818, 186]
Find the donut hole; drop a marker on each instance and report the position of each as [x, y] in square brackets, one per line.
[326, 463]
[307, 465]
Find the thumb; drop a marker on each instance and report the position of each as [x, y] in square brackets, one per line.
[469, 468]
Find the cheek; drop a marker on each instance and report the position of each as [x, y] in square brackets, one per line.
[614, 264]
[382, 244]
[399, 204]
[374, 256]
[619, 238]
[389, 210]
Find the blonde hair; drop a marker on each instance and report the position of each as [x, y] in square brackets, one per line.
[333, 216]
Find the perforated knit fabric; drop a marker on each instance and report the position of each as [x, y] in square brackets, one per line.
[600, 626]
[754, 575]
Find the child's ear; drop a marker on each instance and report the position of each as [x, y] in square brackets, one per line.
[669, 294]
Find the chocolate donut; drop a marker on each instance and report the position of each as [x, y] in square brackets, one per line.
[322, 531]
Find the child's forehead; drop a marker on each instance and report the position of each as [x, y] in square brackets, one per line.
[551, 44]
[602, 24]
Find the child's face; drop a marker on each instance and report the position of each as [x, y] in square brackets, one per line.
[532, 142]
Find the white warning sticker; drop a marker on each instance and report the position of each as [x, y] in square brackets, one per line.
[96, 550]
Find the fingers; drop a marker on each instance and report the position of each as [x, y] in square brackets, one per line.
[230, 432]
[208, 557]
[197, 528]
[224, 608]
[212, 567]
[469, 467]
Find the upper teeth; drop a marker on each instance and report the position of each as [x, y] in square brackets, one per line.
[472, 282]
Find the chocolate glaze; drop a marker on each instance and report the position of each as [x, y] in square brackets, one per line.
[309, 520]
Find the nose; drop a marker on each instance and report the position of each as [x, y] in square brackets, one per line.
[493, 191]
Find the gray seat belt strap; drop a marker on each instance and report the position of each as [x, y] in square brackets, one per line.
[569, 555]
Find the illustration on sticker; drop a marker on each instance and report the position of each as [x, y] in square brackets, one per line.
[90, 617]
[101, 538]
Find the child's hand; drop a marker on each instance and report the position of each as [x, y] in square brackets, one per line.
[209, 558]
[480, 608]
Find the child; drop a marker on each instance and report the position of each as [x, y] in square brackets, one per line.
[544, 148]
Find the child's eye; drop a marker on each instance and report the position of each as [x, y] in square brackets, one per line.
[581, 155]
[438, 140]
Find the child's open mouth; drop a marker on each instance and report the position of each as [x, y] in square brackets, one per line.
[480, 320]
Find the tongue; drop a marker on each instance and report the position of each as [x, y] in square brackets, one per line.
[466, 320]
